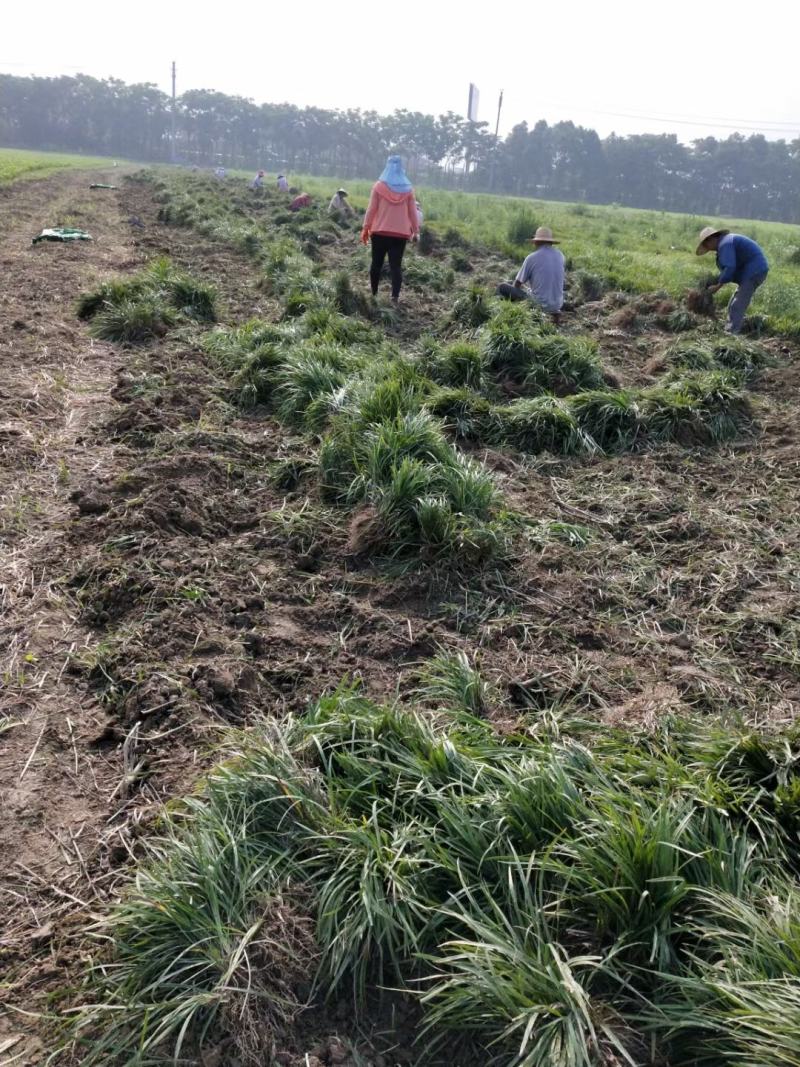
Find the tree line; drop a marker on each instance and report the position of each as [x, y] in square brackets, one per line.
[748, 177]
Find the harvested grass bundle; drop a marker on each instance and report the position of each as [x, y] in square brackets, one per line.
[460, 364]
[133, 321]
[611, 418]
[542, 424]
[472, 309]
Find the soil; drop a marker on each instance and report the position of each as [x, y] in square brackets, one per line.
[158, 586]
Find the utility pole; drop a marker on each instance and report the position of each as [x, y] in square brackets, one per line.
[494, 149]
[172, 154]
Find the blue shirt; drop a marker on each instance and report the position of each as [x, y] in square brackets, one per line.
[739, 258]
[543, 271]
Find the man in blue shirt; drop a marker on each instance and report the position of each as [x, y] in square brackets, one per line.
[740, 261]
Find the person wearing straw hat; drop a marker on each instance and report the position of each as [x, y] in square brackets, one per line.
[541, 276]
[739, 260]
[340, 206]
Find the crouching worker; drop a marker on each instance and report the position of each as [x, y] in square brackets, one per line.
[741, 261]
[299, 202]
[339, 206]
[541, 276]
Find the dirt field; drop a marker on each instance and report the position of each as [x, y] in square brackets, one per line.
[157, 585]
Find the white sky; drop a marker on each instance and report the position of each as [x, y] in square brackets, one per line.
[690, 67]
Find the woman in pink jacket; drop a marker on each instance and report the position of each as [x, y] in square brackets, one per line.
[390, 220]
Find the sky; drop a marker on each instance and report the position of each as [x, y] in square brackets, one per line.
[690, 68]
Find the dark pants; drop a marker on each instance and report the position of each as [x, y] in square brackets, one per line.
[510, 292]
[393, 247]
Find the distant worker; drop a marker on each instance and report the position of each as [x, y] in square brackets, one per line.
[541, 276]
[258, 181]
[220, 173]
[741, 261]
[390, 220]
[301, 201]
[283, 185]
[339, 205]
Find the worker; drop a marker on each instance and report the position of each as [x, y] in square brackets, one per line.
[258, 181]
[541, 276]
[339, 205]
[741, 261]
[389, 222]
[283, 185]
[301, 201]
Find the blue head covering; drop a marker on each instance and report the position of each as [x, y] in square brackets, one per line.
[395, 177]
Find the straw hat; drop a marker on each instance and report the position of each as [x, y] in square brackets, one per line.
[705, 233]
[544, 236]
[341, 192]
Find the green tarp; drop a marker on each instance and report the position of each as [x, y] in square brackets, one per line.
[62, 233]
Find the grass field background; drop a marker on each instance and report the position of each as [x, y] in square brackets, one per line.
[16, 163]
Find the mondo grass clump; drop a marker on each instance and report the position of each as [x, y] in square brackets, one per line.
[541, 901]
[730, 353]
[698, 408]
[427, 502]
[144, 307]
[519, 344]
[542, 424]
[460, 364]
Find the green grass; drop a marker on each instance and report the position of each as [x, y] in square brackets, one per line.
[145, 306]
[543, 902]
[17, 163]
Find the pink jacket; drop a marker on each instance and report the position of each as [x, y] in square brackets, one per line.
[392, 214]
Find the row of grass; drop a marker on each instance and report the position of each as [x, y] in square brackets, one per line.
[544, 902]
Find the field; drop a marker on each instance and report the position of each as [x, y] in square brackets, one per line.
[392, 685]
[16, 163]
[641, 251]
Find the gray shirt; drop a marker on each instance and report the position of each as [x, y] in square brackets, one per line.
[543, 271]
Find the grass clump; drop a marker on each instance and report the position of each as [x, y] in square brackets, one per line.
[461, 364]
[542, 902]
[133, 321]
[146, 306]
[472, 308]
[428, 500]
[722, 353]
[612, 418]
[695, 409]
[542, 424]
[466, 414]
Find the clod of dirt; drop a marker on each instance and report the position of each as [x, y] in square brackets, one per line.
[222, 682]
[364, 532]
[701, 302]
[627, 318]
[90, 503]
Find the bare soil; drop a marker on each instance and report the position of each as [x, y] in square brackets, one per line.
[158, 585]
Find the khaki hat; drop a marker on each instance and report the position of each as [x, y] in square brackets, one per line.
[544, 235]
[705, 233]
[341, 192]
